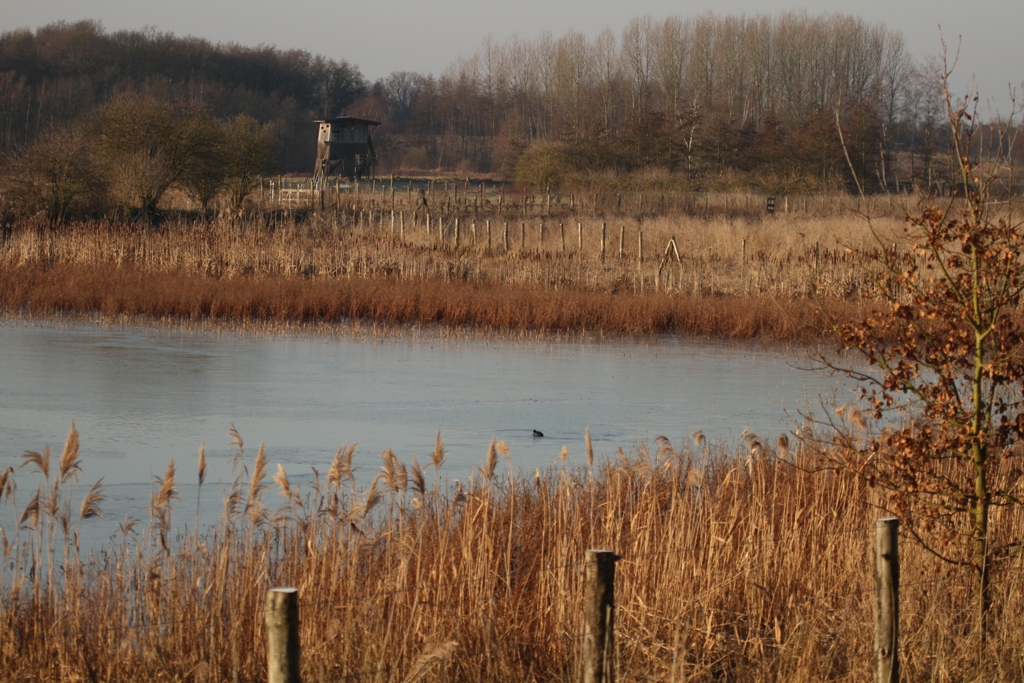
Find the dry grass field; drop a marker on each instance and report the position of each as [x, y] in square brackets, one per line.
[713, 267]
[735, 566]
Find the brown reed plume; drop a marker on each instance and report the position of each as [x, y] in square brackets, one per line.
[69, 464]
[6, 483]
[254, 507]
[589, 446]
[393, 473]
[40, 460]
[90, 506]
[201, 467]
[419, 483]
[341, 466]
[487, 472]
[160, 505]
[437, 457]
[728, 572]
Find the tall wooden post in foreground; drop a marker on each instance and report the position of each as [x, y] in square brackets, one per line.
[599, 617]
[283, 651]
[887, 601]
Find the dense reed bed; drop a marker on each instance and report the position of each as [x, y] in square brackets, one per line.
[735, 566]
[279, 301]
[716, 276]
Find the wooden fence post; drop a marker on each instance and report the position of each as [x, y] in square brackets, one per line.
[599, 617]
[887, 601]
[283, 651]
[640, 258]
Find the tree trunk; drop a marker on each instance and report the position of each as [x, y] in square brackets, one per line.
[982, 593]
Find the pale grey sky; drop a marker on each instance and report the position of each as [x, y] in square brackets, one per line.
[428, 35]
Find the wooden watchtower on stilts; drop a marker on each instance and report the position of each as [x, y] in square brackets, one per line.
[344, 148]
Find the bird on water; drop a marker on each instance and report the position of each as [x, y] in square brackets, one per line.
[537, 433]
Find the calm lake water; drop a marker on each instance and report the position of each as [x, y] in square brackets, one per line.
[142, 396]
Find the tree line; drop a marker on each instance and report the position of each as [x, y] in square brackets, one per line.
[62, 72]
[122, 159]
[707, 102]
[712, 99]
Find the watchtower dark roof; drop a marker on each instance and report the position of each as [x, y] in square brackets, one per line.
[349, 120]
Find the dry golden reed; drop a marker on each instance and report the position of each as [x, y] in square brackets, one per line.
[725, 275]
[179, 296]
[735, 566]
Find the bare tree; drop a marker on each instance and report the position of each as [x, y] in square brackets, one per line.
[494, 74]
[702, 66]
[638, 60]
[55, 176]
[401, 88]
[142, 149]
[205, 172]
[574, 68]
[896, 68]
[608, 72]
[735, 50]
[671, 43]
[760, 63]
[251, 151]
[524, 78]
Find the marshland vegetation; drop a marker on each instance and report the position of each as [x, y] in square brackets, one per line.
[736, 566]
[749, 565]
[609, 263]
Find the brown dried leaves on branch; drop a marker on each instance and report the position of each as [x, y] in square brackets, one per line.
[945, 366]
